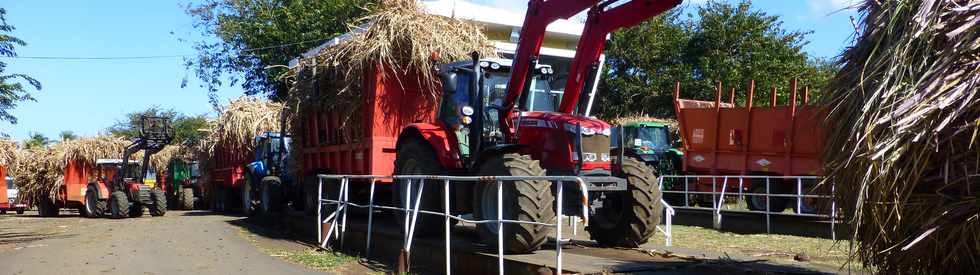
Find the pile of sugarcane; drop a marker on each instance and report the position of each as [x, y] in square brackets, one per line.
[8, 152]
[39, 172]
[239, 123]
[903, 140]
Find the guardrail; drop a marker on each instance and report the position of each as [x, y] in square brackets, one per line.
[718, 195]
[338, 217]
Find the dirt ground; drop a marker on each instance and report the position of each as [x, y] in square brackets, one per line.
[195, 242]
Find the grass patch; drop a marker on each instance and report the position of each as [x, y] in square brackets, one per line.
[319, 260]
[778, 248]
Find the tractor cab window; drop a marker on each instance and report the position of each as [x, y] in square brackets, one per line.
[10, 184]
[652, 137]
[541, 98]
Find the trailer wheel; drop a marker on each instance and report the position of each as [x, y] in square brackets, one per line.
[159, 200]
[118, 205]
[758, 203]
[20, 211]
[524, 200]
[47, 208]
[187, 198]
[94, 207]
[415, 157]
[628, 219]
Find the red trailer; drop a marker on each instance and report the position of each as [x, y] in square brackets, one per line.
[80, 179]
[721, 138]
[226, 177]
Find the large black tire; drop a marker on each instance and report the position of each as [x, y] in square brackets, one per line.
[186, 198]
[269, 195]
[118, 205]
[758, 203]
[524, 200]
[629, 219]
[20, 211]
[47, 208]
[158, 200]
[245, 191]
[135, 210]
[416, 157]
[94, 207]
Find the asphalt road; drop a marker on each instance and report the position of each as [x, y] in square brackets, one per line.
[178, 243]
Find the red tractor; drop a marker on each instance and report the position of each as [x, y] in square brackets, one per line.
[125, 194]
[501, 117]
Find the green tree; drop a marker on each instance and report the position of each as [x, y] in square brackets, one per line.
[37, 140]
[187, 129]
[730, 43]
[67, 135]
[12, 86]
[246, 40]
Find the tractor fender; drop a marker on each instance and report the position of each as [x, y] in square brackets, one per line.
[443, 143]
[100, 188]
[493, 151]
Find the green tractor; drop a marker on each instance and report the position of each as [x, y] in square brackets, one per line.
[183, 185]
[653, 143]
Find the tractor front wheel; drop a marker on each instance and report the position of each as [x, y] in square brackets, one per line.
[269, 195]
[118, 205]
[628, 219]
[187, 198]
[523, 200]
[159, 202]
[246, 192]
[94, 207]
[415, 157]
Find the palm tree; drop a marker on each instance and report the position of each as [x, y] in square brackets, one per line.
[37, 140]
[67, 135]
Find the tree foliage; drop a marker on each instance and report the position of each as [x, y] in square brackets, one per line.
[37, 140]
[730, 43]
[187, 129]
[12, 86]
[67, 135]
[246, 40]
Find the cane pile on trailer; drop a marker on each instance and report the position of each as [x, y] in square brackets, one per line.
[903, 145]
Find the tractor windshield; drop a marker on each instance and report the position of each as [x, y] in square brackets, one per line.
[539, 98]
[652, 137]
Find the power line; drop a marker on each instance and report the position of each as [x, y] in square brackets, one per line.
[151, 56]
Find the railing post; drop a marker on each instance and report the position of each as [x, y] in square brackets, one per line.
[500, 227]
[403, 255]
[719, 202]
[767, 205]
[686, 194]
[319, 208]
[799, 195]
[345, 185]
[367, 249]
[445, 211]
[833, 210]
[558, 229]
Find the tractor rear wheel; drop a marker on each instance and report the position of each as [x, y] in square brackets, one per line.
[628, 219]
[187, 198]
[118, 205]
[415, 157]
[159, 202]
[523, 200]
[47, 208]
[94, 207]
[269, 195]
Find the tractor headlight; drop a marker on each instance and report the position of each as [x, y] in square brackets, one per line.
[484, 64]
[607, 132]
[495, 66]
[467, 110]
[466, 120]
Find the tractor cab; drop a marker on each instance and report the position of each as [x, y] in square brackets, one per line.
[646, 139]
[108, 169]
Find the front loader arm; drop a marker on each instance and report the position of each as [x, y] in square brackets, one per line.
[600, 23]
[539, 14]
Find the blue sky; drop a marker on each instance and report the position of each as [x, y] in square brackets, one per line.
[88, 96]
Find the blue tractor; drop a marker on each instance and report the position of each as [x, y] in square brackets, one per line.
[267, 178]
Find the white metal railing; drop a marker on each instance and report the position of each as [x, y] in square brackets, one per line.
[718, 196]
[411, 210]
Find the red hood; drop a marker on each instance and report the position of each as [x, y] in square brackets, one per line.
[566, 121]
